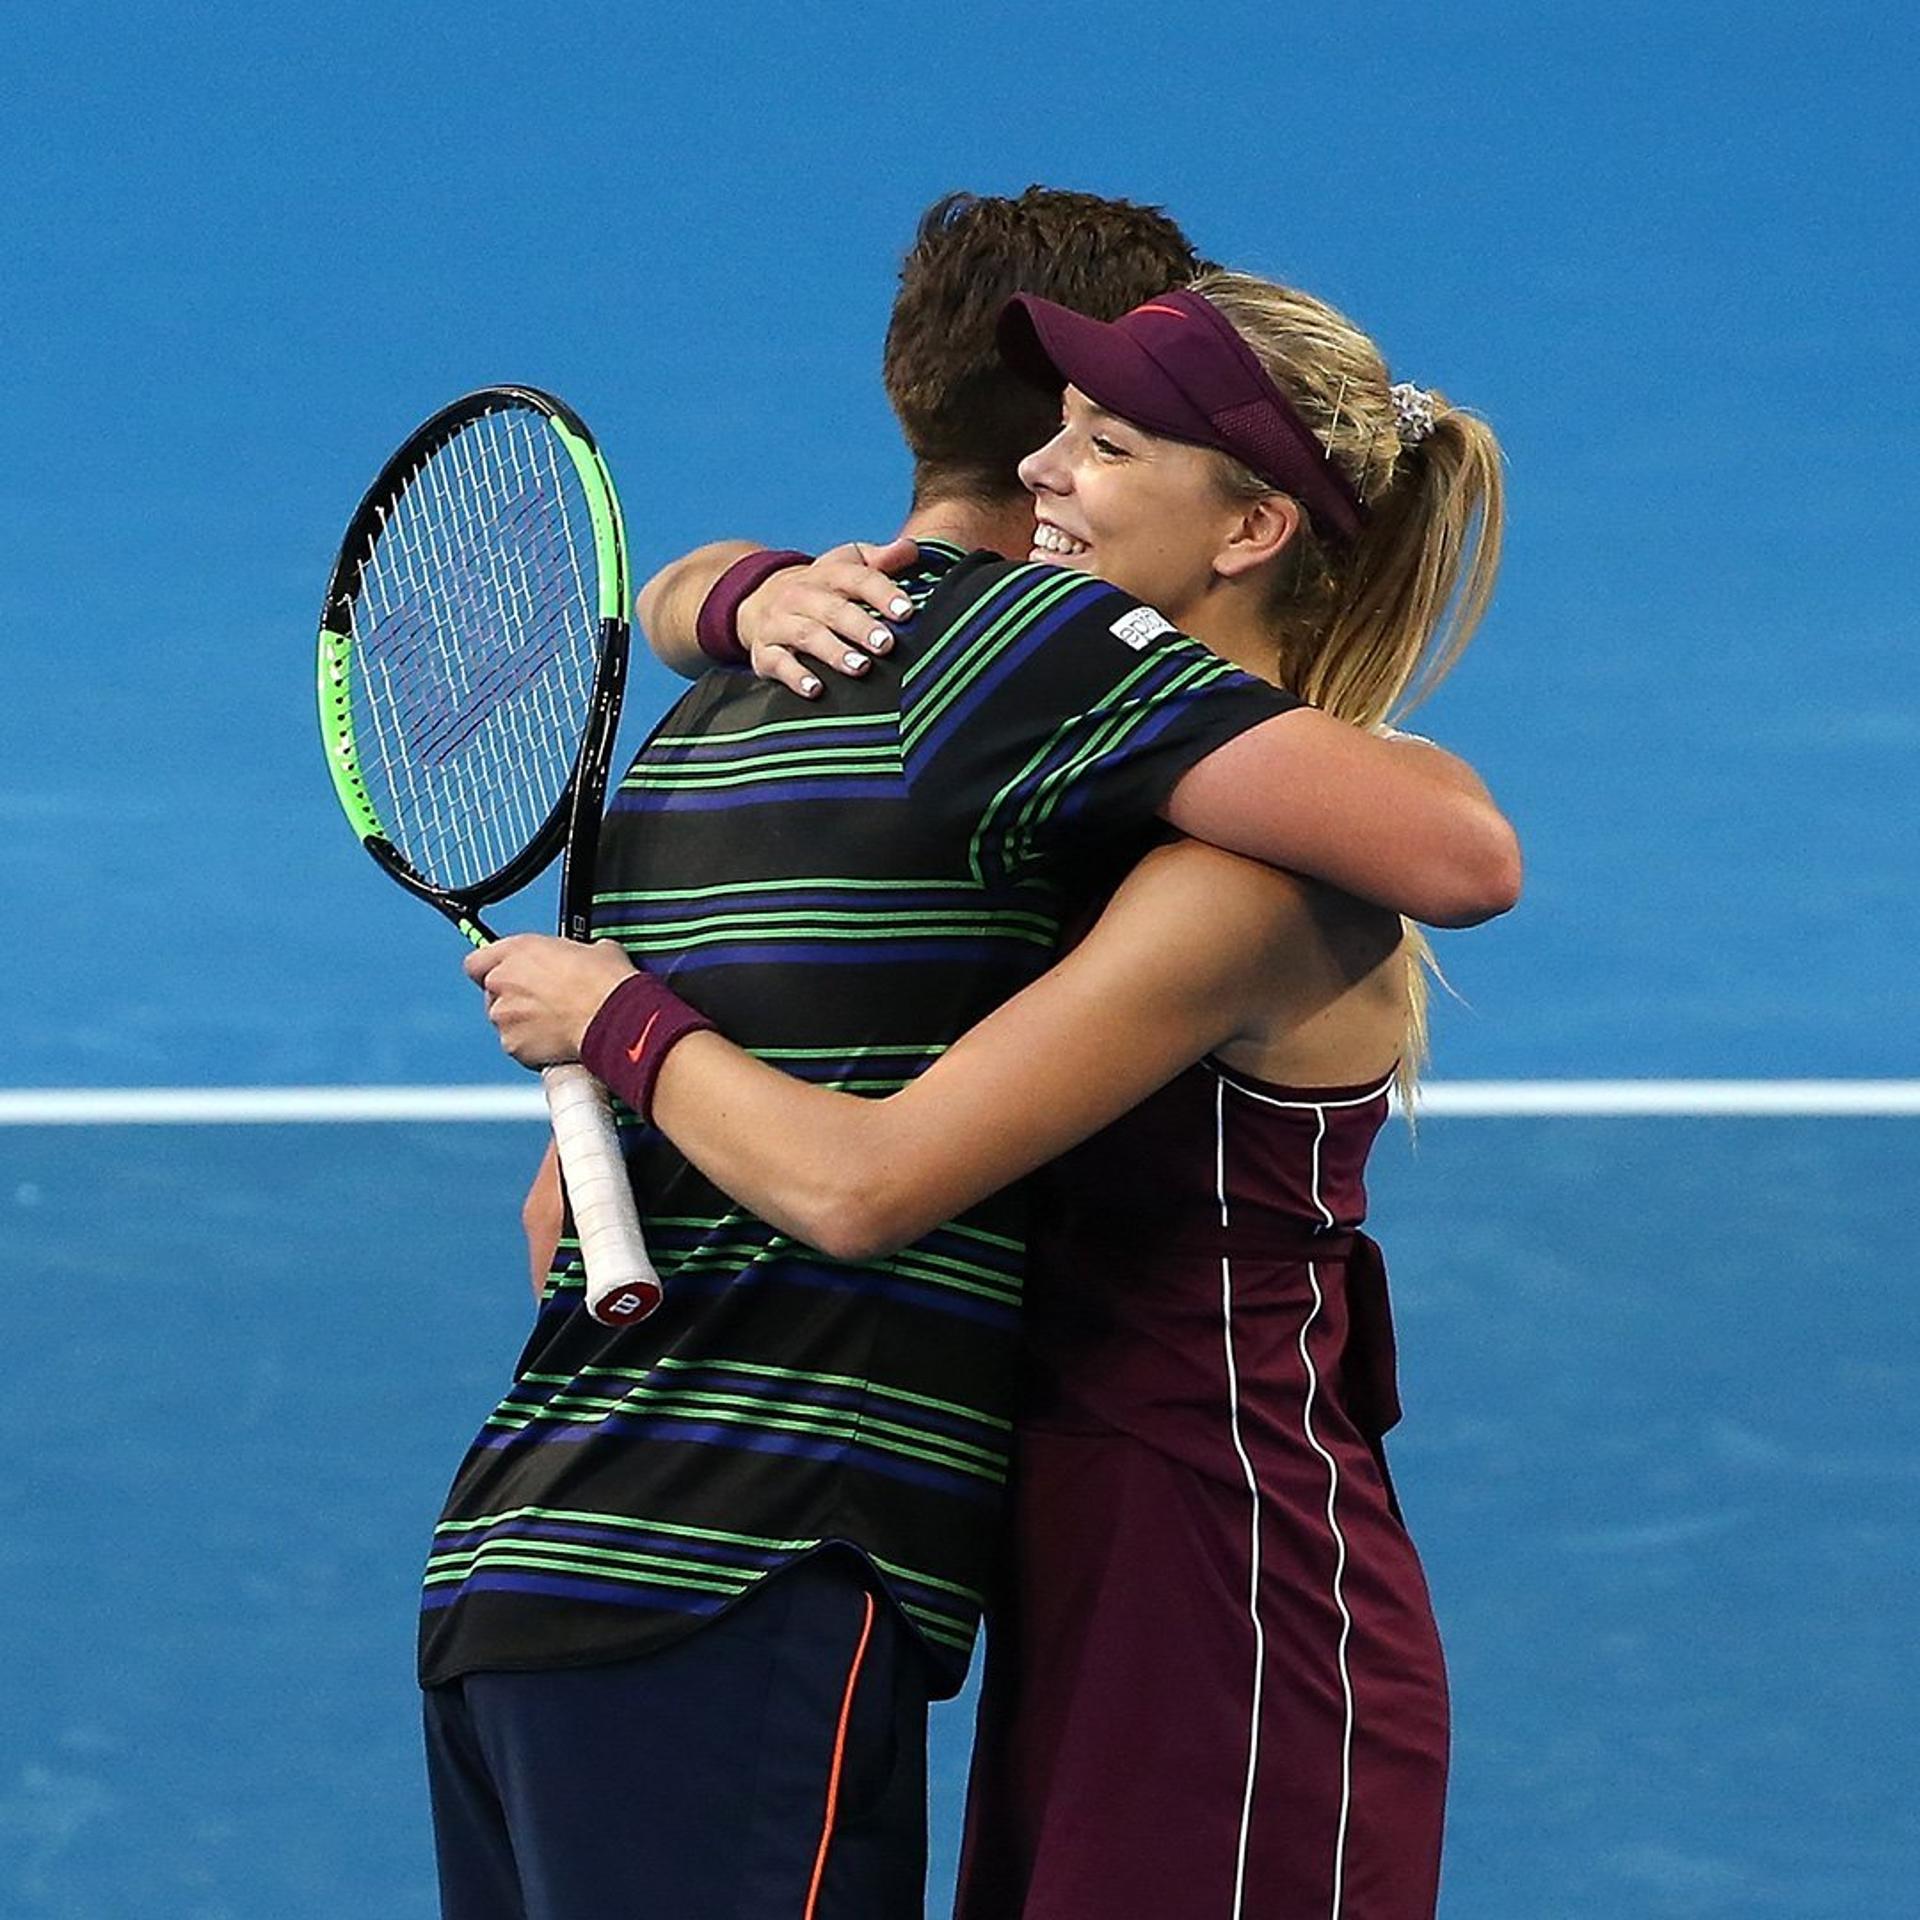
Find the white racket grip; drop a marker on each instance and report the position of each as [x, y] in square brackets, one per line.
[621, 1284]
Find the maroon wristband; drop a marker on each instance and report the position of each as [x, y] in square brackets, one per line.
[628, 1040]
[717, 626]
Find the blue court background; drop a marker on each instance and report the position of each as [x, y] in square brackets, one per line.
[1660, 1449]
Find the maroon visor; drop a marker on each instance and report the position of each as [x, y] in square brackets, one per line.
[1175, 366]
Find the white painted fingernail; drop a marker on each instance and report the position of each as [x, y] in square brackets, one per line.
[809, 685]
[856, 663]
[879, 639]
[900, 608]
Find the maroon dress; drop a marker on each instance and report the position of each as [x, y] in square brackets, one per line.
[1215, 1689]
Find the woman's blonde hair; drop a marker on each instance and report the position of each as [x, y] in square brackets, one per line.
[1367, 629]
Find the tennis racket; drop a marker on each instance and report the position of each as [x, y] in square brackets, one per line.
[473, 648]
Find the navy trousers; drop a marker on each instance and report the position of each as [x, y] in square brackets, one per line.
[770, 1766]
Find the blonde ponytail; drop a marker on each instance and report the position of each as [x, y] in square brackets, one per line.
[1366, 630]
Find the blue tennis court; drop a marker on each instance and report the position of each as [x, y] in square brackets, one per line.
[1660, 1453]
[1660, 1374]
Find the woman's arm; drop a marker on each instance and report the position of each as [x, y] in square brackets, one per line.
[1178, 965]
[1394, 820]
[1399, 822]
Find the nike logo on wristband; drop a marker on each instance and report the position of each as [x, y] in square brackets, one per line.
[640, 1046]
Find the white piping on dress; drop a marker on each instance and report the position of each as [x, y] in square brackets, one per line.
[1300, 1106]
[1339, 1538]
[1319, 1108]
[1253, 1490]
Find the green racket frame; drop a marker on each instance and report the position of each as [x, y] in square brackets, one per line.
[575, 817]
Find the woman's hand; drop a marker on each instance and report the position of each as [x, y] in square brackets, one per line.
[542, 993]
[829, 613]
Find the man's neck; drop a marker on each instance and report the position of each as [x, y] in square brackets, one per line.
[1003, 526]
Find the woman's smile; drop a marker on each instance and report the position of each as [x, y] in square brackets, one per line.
[1055, 543]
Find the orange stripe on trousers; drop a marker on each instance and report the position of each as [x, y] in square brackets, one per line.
[839, 1760]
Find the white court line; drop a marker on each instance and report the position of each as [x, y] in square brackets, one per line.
[1442, 1099]
[1503, 1099]
[261, 1106]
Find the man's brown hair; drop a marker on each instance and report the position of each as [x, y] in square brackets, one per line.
[967, 418]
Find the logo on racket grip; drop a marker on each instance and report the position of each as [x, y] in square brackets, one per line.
[629, 1304]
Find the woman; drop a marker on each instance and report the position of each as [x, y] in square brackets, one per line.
[1216, 1685]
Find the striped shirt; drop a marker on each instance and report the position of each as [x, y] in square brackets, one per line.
[844, 890]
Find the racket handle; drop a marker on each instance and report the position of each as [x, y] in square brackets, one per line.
[621, 1284]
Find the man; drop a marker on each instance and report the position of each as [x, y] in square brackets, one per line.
[698, 1577]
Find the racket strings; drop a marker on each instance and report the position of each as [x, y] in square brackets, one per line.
[476, 634]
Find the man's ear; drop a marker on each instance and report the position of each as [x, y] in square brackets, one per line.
[1267, 524]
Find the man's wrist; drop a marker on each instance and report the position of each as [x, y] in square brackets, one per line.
[717, 625]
